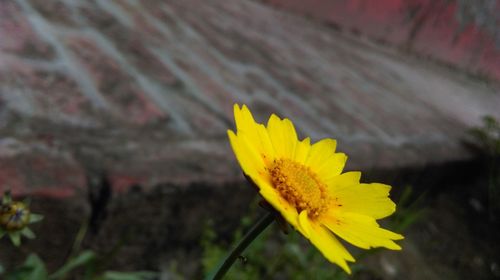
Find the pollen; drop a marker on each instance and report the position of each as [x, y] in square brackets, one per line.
[300, 186]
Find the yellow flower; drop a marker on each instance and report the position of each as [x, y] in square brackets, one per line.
[306, 185]
[15, 216]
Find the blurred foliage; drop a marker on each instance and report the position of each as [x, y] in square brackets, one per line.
[34, 269]
[274, 255]
[488, 137]
[86, 265]
[172, 272]
[410, 210]
[16, 216]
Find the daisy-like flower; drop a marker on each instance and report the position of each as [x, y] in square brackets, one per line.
[305, 183]
[15, 216]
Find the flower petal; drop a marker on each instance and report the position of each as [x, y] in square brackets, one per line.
[303, 223]
[326, 243]
[250, 161]
[283, 136]
[323, 160]
[28, 233]
[345, 179]
[331, 167]
[243, 118]
[35, 218]
[302, 150]
[367, 199]
[361, 230]
[15, 237]
[281, 205]
[256, 133]
[265, 146]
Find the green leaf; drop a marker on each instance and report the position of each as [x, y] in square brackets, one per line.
[2, 232]
[136, 275]
[1, 269]
[32, 269]
[405, 196]
[38, 267]
[35, 218]
[410, 218]
[28, 233]
[15, 237]
[6, 199]
[27, 201]
[84, 258]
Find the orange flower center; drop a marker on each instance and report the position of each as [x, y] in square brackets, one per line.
[300, 186]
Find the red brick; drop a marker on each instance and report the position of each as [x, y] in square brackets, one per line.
[429, 28]
[121, 182]
[10, 178]
[41, 174]
[155, 10]
[18, 36]
[203, 122]
[55, 11]
[56, 95]
[119, 88]
[214, 91]
[132, 45]
[285, 64]
[141, 23]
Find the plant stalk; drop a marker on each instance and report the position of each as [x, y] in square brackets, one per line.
[256, 229]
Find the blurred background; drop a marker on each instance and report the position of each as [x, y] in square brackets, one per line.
[113, 119]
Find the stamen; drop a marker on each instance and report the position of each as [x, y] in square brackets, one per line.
[300, 186]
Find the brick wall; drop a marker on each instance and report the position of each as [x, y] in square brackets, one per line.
[465, 34]
[143, 90]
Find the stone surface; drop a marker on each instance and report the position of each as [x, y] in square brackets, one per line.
[144, 91]
[463, 34]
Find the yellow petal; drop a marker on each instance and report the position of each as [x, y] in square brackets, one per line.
[255, 133]
[250, 161]
[343, 180]
[319, 154]
[243, 118]
[302, 150]
[361, 231]
[265, 146]
[326, 243]
[281, 205]
[366, 199]
[283, 136]
[332, 167]
[303, 223]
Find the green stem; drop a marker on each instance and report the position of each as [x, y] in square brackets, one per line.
[257, 228]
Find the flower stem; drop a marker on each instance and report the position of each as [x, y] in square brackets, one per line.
[256, 229]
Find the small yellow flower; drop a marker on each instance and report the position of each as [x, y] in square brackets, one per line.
[306, 185]
[15, 216]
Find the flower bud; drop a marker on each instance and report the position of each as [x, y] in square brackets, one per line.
[14, 216]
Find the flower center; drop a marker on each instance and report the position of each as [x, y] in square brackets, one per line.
[14, 216]
[300, 186]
